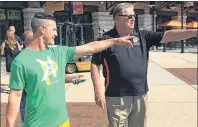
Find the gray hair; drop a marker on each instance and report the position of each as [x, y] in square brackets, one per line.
[119, 8]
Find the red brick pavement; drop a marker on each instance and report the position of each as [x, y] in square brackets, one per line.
[188, 75]
[80, 114]
[89, 115]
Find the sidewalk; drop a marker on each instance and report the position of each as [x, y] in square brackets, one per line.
[172, 96]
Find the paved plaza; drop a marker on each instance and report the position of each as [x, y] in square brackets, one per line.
[172, 78]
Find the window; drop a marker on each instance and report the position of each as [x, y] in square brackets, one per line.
[10, 17]
[2, 24]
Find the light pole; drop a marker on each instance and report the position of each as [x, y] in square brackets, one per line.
[182, 23]
[153, 13]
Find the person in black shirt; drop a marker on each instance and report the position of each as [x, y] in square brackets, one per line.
[125, 69]
[17, 38]
[10, 48]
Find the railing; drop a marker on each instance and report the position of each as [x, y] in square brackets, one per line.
[76, 34]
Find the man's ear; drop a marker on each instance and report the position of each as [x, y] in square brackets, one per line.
[116, 19]
[42, 29]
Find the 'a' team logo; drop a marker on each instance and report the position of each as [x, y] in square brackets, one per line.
[136, 41]
[49, 68]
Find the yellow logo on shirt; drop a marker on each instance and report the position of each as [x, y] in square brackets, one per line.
[50, 68]
[65, 124]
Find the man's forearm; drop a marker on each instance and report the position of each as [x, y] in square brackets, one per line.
[95, 76]
[93, 47]
[12, 110]
[176, 35]
[12, 113]
[98, 46]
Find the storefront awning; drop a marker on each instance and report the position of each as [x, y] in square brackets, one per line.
[192, 24]
[172, 23]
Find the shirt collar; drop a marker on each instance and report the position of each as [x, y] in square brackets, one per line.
[133, 33]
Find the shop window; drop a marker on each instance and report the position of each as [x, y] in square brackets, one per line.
[14, 14]
[85, 18]
[10, 17]
[14, 17]
[2, 24]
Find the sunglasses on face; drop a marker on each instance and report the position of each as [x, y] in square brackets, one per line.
[128, 16]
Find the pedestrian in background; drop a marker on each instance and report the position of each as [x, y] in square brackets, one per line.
[10, 48]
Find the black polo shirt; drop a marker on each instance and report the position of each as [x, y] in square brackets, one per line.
[124, 68]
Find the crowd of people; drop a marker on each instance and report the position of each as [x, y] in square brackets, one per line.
[37, 82]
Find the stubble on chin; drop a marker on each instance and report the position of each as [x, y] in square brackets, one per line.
[50, 42]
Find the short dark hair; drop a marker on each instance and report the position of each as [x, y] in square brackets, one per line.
[43, 15]
[39, 18]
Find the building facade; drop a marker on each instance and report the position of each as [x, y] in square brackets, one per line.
[80, 29]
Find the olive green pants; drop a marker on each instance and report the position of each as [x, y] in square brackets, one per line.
[127, 111]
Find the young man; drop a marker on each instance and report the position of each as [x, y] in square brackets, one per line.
[41, 75]
[69, 78]
[125, 69]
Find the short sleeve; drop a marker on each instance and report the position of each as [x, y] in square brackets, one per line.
[17, 76]
[69, 52]
[153, 38]
[97, 58]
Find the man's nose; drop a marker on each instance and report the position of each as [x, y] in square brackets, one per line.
[56, 34]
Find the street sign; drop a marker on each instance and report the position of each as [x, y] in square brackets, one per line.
[54, 6]
[77, 8]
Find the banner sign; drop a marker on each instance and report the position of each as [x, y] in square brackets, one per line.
[77, 8]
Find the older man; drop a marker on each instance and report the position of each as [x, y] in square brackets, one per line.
[125, 69]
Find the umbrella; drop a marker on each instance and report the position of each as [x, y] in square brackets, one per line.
[192, 24]
[173, 23]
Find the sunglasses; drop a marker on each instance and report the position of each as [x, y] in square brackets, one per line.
[128, 16]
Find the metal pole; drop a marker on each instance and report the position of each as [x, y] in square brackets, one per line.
[154, 21]
[60, 34]
[72, 36]
[164, 44]
[70, 11]
[81, 35]
[153, 18]
[182, 42]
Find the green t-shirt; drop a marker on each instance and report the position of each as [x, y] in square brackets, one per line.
[42, 75]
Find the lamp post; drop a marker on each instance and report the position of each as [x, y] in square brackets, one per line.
[72, 27]
[182, 23]
[153, 13]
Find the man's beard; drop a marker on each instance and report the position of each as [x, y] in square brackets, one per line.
[50, 43]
